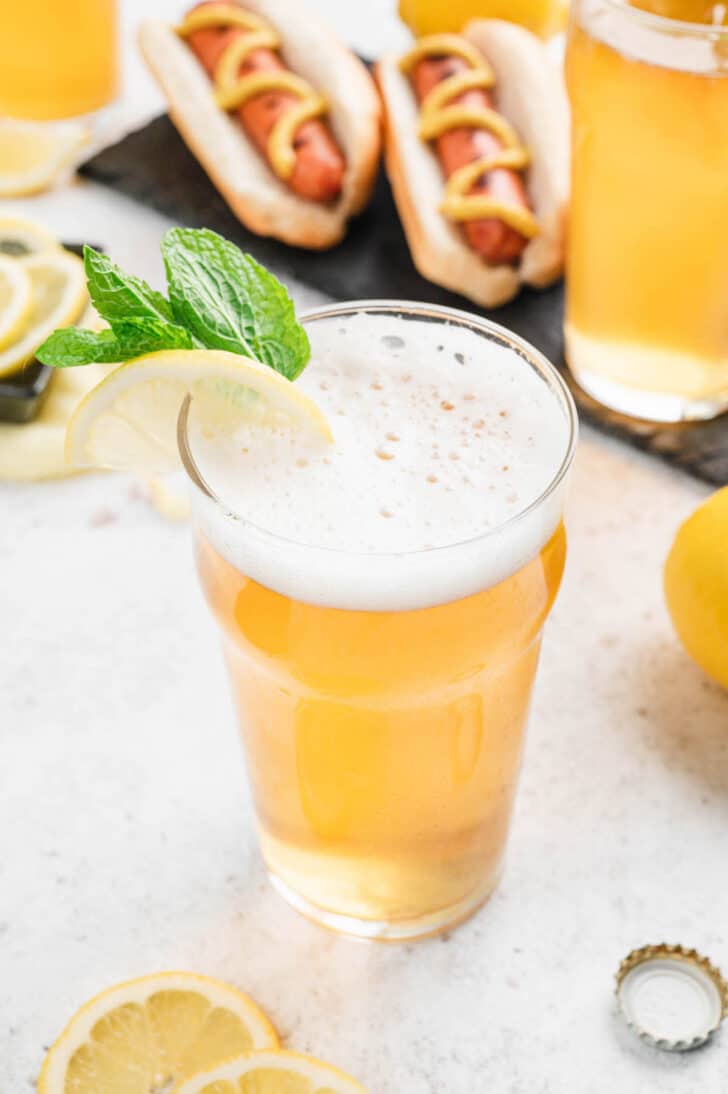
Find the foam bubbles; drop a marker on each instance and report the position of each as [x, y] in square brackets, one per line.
[495, 431]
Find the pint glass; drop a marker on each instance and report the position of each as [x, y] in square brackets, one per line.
[647, 321]
[381, 615]
[58, 58]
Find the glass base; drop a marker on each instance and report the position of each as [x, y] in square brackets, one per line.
[601, 368]
[651, 406]
[400, 930]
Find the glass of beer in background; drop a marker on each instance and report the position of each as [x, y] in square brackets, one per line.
[58, 58]
[647, 293]
[381, 603]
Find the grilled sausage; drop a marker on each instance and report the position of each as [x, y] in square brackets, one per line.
[496, 241]
[319, 169]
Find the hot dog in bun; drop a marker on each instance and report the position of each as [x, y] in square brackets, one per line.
[281, 115]
[476, 146]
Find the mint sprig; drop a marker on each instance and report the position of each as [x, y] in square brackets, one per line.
[119, 296]
[131, 338]
[72, 346]
[219, 298]
[229, 301]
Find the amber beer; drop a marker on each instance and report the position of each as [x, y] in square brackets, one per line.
[382, 640]
[646, 327]
[57, 58]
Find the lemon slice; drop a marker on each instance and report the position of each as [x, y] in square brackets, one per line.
[149, 1034]
[272, 1073]
[16, 299]
[20, 237]
[129, 422]
[32, 155]
[59, 296]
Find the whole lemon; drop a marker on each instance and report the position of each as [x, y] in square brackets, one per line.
[696, 585]
[544, 17]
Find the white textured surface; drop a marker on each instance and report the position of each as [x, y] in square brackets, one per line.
[125, 836]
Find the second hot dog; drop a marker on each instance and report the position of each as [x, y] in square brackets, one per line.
[490, 237]
[477, 154]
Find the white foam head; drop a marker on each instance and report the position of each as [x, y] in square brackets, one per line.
[447, 472]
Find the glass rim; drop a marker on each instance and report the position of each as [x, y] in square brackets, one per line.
[663, 23]
[494, 332]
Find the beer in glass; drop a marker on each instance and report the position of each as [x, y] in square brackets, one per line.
[58, 58]
[647, 289]
[381, 601]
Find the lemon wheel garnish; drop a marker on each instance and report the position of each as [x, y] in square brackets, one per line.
[32, 154]
[16, 299]
[152, 1033]
[129, 422]
[59, 296]
[272, 1073]
[20, 237]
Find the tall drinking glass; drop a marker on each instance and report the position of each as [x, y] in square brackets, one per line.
[381, 604]
[647, 294]
[58, 58]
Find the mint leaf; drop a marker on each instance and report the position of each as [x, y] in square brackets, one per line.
[229, 301]
[130, 338]
[70, 347]
[220, 298]
[118, 296]
[140, 336]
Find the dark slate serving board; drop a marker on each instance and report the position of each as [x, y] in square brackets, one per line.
[154, 166]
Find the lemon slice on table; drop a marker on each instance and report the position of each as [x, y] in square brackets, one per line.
[16, 299]
[59, 296]
[32, 155]
[20, 237]
[129, 421]
[272, 1073]
[150, 1034]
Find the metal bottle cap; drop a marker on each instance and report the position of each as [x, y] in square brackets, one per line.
[671, 997]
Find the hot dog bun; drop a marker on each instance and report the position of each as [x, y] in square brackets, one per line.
[264, 203]
[529, 92]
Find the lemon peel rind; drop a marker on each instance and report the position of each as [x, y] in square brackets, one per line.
[236, 1067]
[18, 353]
[184, 366]
[77, 1031]
[19, 282]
